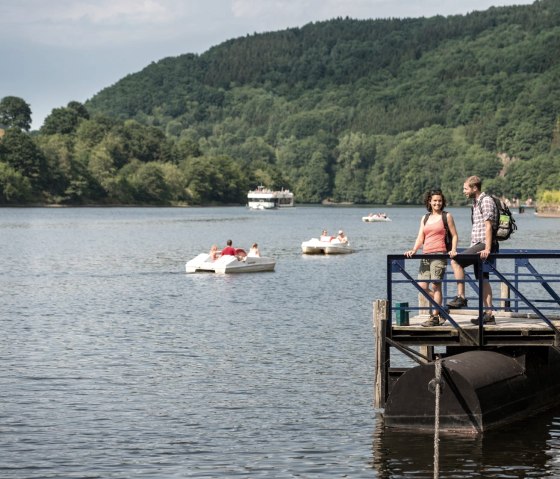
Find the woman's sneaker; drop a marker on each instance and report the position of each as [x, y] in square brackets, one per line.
[487, 318]
[434, 320]
[457, 303]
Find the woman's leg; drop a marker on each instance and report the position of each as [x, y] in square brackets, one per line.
[436, 293]
[426, 287]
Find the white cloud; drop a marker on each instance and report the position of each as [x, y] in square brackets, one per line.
[255, 9]
[85, 23]
[35, 12]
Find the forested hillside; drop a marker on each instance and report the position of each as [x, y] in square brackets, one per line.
[364, 111]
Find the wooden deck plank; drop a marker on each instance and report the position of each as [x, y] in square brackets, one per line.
[504, 320]
[511, 329]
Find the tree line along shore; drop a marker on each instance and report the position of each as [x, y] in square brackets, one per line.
[354, 111]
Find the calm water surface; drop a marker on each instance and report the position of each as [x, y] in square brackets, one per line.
[118, 364]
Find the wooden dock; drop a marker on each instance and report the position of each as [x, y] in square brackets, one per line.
[511, 329]
[492, 373]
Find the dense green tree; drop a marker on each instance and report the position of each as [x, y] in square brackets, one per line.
[15, 113]
[149, 185]
[214, 180]
[79, 108]
[58, 151]
[185, 147]
[355, 154]
[103, 168]
[60, 120]
[525, 178]
[21, 153]
[14, 187]
[313, 183]
[176, 183]
[144, 143]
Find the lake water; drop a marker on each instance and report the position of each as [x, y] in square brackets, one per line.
[115, 363]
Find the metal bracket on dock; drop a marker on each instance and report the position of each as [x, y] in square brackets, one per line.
[465, 338]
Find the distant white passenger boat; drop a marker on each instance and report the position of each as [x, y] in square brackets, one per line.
[264, 199]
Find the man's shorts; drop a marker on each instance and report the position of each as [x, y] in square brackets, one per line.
[475, 249]
[432, 268]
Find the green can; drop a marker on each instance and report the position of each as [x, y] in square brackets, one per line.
[402, 314]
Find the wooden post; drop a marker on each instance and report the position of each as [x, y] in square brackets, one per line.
[505, 294]
[427, 351]
[380, 318]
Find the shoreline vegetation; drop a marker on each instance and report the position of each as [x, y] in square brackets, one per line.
[542, 210]
[548, 211]
[548, 204]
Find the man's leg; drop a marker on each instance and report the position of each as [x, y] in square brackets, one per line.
[459, 273]
[487, 292]
[488, 316]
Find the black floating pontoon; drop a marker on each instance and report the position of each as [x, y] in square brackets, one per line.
[480, 390]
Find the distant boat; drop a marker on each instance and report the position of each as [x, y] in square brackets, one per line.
[264, 199]
[374, 217]
[325, 245]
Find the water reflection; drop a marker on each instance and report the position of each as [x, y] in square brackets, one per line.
[525, 449]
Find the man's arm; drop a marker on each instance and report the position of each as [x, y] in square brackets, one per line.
[488, 230]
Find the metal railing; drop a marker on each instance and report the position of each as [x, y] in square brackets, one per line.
[528, 282]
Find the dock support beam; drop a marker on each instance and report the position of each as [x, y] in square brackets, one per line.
[380, 321]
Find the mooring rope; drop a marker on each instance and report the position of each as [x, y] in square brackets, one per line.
[437, 367]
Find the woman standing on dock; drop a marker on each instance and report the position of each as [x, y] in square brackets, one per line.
[437, 235]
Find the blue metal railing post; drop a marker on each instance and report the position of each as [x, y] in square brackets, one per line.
[481, 269]
[390, 289]
[516, 280]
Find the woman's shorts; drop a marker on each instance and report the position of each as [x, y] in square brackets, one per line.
[432, 268]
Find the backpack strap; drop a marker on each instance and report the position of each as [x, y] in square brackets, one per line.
[495, 224]
[443, 217]
[479, 203]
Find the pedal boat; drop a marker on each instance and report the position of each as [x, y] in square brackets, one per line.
[241, 263]
[374, 218]
[325, 245]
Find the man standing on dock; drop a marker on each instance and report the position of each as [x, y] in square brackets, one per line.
[484, 216]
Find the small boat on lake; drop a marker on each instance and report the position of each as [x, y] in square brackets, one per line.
[325, 245]
[241, 263]
[264, 199]
[376, 217]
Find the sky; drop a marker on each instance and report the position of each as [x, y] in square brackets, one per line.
[56, 51]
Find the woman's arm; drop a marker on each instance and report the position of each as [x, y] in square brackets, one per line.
[454, 235]
[419, 240]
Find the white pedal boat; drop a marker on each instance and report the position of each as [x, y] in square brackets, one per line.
[372, 218]
[229, 264]
[325, 246]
